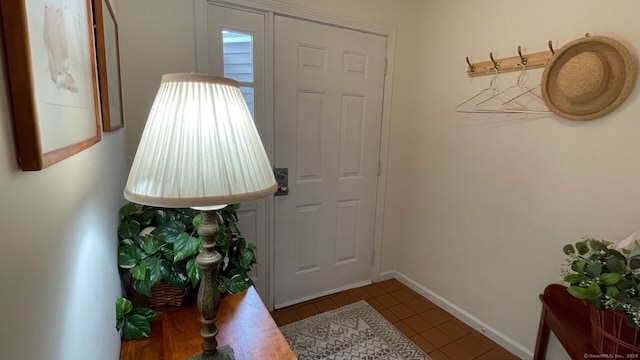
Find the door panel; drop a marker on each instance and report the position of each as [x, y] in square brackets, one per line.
[328, 113]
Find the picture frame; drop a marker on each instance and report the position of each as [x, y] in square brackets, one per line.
[50, 57]
[108, 58]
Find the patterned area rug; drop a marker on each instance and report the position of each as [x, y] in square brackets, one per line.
[355, 331]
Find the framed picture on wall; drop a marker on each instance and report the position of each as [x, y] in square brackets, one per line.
[50, 55]
[108, 54]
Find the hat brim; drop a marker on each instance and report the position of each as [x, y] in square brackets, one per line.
[619, 81]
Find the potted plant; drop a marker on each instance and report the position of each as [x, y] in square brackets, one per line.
[158, 248]
[609, 279]
[159, 245]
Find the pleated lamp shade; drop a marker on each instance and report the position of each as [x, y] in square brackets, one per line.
[199, 148]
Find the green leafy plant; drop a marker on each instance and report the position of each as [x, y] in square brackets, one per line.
[162, 244]
[158, 244]
[135, 323]
[238, 255]
[606, 277]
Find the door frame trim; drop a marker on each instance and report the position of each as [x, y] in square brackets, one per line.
[271, 8]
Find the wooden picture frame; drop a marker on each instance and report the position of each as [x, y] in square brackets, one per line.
[50, 56]
[108, 55]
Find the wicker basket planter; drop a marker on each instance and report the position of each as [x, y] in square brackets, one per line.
[610, 333]
[165, 294]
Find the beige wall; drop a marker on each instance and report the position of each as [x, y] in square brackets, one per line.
[156, 38]
[58, 263]
[481, 216]
[480, 213]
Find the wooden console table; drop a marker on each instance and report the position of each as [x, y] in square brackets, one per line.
[243, 320]
[568, 318]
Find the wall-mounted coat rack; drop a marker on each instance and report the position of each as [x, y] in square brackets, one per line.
[493, 66]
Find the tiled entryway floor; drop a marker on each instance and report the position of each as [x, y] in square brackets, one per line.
[435, 331]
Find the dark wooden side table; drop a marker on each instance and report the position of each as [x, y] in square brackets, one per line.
[568, 318]
[244, 323]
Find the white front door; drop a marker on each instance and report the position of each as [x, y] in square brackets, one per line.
[328, 114]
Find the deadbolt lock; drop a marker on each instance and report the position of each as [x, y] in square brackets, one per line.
[282, 178]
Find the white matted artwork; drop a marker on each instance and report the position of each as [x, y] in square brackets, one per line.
[52, 72]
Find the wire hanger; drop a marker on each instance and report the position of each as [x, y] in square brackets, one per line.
[530, 101]
[469, 104]
[513, 99]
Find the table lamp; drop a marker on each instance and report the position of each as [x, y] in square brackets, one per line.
[200, 149]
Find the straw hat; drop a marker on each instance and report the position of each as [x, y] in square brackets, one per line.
[588, 78]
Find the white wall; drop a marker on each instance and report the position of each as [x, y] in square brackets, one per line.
[58, 263]
[481, 215]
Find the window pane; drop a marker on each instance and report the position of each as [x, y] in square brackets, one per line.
[247, 93]
[237, 50]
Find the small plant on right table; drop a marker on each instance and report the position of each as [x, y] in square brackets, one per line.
[606, 277]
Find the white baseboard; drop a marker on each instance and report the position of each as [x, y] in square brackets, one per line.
[501, 339]
[324, 293]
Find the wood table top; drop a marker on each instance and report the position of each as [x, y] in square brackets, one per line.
[243, 320]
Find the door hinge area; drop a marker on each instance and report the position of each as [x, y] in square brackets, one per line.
[386, 66]
[379, 167]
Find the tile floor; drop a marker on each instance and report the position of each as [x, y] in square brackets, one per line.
[434, 330]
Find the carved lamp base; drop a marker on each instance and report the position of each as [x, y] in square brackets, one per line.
[222, 353]
[208, 293]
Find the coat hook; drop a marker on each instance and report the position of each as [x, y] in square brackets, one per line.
[471, 67]
[553, 52]
[496, 65]
[523, 60]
